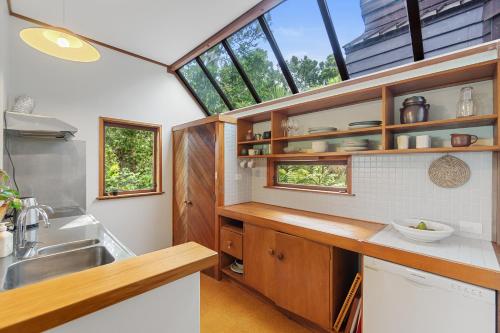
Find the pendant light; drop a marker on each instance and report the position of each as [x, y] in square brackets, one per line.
[60, 43]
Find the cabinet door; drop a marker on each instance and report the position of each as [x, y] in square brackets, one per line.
[303, 278]
[180, 188]
[259, 259]
[201, 185]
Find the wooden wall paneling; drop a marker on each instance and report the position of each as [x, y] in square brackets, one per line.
[201, 187]
[180, 185]
[387, 118]
[277, 132]
[219, 186]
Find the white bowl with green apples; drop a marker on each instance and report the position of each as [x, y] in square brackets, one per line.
[423, 230]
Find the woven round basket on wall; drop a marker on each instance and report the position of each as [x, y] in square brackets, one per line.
[449, 172]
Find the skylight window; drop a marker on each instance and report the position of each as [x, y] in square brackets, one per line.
[303, 44]
[202, 87]
[223, 70]
[300, 33]
[258, 60]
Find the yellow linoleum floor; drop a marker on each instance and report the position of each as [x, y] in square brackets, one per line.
[227, 307]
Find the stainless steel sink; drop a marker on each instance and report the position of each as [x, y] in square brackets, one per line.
[66, 246]
[45, 267]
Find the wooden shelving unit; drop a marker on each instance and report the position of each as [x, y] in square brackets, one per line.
[473, 121]
[488, 70]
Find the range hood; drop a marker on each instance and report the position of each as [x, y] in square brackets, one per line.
[33, 125]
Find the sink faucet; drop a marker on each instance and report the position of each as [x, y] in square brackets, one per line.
[21, 246]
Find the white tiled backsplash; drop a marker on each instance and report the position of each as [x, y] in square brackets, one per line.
[385, 187]
[237, 181]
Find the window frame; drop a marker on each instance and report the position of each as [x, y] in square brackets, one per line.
[157, 157]
[272, 181]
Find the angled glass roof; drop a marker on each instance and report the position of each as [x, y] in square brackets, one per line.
[301, 36]
[253, 51]
[223, 70]
[202, 87]
[304, 44]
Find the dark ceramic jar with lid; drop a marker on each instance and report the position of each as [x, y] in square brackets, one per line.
[415, 109]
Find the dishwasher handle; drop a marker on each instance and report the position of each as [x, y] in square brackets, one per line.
[417, 278]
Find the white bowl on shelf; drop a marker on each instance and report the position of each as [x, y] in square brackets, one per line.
[407, 227]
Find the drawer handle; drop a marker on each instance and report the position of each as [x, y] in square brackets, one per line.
[229, 244]
[280, 256]
[270, 251]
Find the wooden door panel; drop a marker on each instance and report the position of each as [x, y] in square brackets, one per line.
[201, 185]
[303, 278]
[259, 259]
[180, 176]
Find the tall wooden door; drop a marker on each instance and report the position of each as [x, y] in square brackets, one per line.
[180, 188]
[303, 272]
[259, 254]
[201, 185]
[194, 185]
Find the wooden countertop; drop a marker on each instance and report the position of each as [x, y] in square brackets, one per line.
[50, 303]
[354, 235]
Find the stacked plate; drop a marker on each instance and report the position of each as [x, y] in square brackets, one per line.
[355, 145]
[365, 124]
[315, 130]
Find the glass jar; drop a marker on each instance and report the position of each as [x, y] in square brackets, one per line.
[466, 106]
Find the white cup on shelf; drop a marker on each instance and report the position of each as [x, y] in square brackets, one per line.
[403, 141]
[423, 141]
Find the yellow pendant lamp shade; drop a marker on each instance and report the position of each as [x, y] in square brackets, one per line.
[60, 43]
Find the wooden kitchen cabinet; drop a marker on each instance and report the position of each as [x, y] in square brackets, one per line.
[304, 280]
[259, 259]
[301, 276]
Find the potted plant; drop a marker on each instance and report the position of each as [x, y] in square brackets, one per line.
[9, 197]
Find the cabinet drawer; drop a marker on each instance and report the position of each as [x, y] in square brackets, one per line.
[231, 243]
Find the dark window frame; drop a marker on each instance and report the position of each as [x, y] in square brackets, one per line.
[413, 14]
[272, 171]
[157, 188]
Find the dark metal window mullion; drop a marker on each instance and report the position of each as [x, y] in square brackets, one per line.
[277, 52]
[417, 43]
[214, 83]
[242, 72]
[193, 93]
[334, 42]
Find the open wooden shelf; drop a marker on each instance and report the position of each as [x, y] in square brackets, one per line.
[486, 70]
[380, 151]
[227, 271]
[255, 142]
[335, 134]
[473, 121]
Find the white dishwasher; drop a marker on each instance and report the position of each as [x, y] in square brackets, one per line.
[398, 299]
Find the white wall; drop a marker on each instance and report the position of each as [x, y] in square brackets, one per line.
[173, 307]
[4, 16]
[115, 86]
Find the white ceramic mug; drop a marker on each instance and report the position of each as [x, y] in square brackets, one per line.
[403, 142]
[252, 152]
[251, 163]
[319, 146]
[423, 141]
[243, 163]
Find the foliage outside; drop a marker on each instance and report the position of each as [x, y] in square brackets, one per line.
[255, 56]
[321, 175]
[129, 159]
